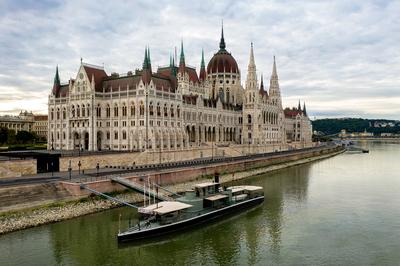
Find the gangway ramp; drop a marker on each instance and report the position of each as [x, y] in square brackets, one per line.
[140, 189]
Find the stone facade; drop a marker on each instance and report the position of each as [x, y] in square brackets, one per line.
[172, 109]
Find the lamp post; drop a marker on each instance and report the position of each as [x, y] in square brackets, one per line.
[97, 169]
[69, 169]
[79, 167]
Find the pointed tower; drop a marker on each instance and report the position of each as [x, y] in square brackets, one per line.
[274, 90]
[202, 67]
[182, 65]
[251, 81]
[304, 109]
[57, 83]
[222, 45]
[251, 111]
[262, 91]
[299, 106]
[146, 74]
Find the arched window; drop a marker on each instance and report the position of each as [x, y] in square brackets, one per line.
[83, 110]
[165, 110]
[64, 113]
[133, 109]
[124, 110]
[151, 111]
[115, 110]
[158, 109]
[98, 110]
[172, 110]
[73, 111]
[58, 113]
[52, 114]
[78, 111]
[141, 108]
[88, 110]
[115, 134]
[108, 110]
[249, 119]
[124, 134]
[178, 111]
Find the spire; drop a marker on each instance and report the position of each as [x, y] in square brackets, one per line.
[146, 75]
[182, 60]
[222, 41]
[57, 83]
[202, 67]
[274, 90]
[148, 57]
[251, 81]
[304, 109]
[262, 91]
[274, 73]
[299, 106]
[145, 61]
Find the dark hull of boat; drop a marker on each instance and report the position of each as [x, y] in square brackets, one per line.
[179, 226]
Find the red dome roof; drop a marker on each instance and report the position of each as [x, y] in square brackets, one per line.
[222, 62]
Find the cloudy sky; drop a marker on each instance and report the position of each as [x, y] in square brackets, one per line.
[341, 57]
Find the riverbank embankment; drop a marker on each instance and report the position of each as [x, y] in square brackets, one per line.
[67, 207]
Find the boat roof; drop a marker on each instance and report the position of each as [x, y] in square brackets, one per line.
[216, 197]
[248, 188]
[206, 184]
[165, 207]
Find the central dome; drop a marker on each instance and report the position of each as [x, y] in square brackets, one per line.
[222, 62]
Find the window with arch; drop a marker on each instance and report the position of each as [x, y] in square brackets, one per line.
[83, 110]
[158, 109]
[172, 110]
[151, 109]
[178, 111]
[133, 109]
[116, 135]
[108, 111]
[98, 110]
[124, 134]
[78, 111]
[115, 110]
[52, 114]
[88, 110]
[58, 113]
[165, 110]
[124, 110]
[249, 119]
[73, 111]
[64, 113]
[141, 108]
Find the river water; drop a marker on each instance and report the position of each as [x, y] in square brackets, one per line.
[343, 210]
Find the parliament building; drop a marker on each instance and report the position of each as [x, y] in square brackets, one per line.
[173, 108]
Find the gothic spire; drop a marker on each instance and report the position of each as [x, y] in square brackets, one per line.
[299, 106]
[57, 83]
[251, 81]
[182, 60]
[202, 67]
[148, 57]
[145, 61]
[222, 41]
[274, 72]
[304, 109]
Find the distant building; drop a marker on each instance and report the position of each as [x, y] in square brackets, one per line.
[298, 126]
[40, 125]
[23, 122]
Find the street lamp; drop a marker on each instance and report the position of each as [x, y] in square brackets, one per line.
[69, 169]
[79, 167]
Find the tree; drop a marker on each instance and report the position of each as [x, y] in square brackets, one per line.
[24, 137]
[3, 135]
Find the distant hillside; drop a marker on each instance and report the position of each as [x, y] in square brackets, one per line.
[332, 126]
